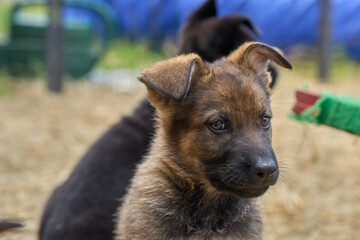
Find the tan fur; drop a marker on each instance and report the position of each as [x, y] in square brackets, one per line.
[172, 83]
[171, 196]
[255, 57]
[143, 205]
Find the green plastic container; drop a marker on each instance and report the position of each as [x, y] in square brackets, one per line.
[341, 112]
[24, 54]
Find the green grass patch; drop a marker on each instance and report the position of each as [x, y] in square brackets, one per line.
[125, 53]
[341, 68]
[5, 8]
[41, 9]
[7, 86]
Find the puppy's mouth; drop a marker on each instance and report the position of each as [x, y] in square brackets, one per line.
[240, 190]
[245, 192]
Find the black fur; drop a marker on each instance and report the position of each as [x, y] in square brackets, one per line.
[83, 207]
[212, 37]
[9, 224]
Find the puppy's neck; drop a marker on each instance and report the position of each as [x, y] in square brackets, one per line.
[198, 205]
[177, 164]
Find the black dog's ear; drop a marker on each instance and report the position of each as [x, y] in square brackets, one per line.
[205, 11]
[171, 79]
[255, 57]
[249, 24]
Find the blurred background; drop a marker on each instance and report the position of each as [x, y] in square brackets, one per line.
[68, 71]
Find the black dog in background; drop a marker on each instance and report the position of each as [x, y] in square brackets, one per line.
[83, 207]
[212, 37]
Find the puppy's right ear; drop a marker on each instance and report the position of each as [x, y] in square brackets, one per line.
[170, 80]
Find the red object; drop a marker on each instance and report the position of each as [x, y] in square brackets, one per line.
[304, 100]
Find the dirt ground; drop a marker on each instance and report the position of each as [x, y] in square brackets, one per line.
[42, 136]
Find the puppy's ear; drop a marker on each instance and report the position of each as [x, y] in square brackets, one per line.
[171, 79]
[255, 56]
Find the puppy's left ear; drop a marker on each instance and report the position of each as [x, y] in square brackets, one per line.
[170, 80]
[255, 56]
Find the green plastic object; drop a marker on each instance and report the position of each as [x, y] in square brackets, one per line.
[24, 53]
[341, 112]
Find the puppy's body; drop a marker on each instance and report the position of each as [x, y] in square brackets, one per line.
[212, 153]
[166, 201]
[83, 207]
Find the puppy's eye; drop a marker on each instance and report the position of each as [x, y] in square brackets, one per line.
[217, 125]
[265, 122]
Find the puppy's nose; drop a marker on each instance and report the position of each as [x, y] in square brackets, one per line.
[264, 168]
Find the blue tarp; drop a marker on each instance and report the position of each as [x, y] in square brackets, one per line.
[283, 23]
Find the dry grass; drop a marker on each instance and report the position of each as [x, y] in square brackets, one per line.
[42, 136]
[319, 197]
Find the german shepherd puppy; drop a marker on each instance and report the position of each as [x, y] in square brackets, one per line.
[211, 155]
[83, 207]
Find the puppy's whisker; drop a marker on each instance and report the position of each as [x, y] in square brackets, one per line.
[228, 178]
[281, 183]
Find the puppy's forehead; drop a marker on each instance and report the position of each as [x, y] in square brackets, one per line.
[232, 88]
[224, 67]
